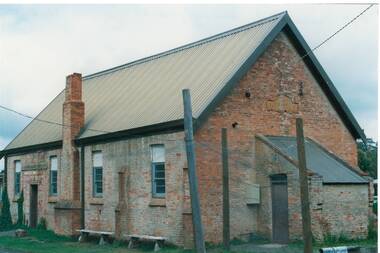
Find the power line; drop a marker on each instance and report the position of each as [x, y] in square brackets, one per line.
[338, 31]
[63, 125]
[46, 121]
[103, 131]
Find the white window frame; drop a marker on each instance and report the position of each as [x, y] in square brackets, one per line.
[53, 170]
[97, 165]
[157, 161]
[17, 176]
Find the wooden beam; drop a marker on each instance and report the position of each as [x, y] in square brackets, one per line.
[304, 186]
[226, 196]
[193, 180]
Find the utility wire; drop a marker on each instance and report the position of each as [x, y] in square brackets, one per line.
[338, 31]
[63, 125]
[46, 121]
[103, 131]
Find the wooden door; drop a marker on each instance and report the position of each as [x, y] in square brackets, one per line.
[33, 212]
[280, 222]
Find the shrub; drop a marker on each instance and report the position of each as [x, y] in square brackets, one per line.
[42, 225]
[374, 206]
[20, 209]
[5, 216]
[372, 232]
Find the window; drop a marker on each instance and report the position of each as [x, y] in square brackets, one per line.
[97, 174]
[53, 175]
[17, 177]
[158, 170]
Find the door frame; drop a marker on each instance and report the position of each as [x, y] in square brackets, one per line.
[279, 179]
[33, 215]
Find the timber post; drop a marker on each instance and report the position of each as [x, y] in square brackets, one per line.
[193, 180]
[226, 196]
[304, 187]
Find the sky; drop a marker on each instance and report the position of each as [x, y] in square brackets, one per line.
[41, 44]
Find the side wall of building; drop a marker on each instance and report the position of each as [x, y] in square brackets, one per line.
[345, 210]
[273, 103]
[336, 209]
[35, 171]
[143, 214]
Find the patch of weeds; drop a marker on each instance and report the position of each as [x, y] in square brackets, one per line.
[372, 232]
[42, 224]
[237, 241]
[47, 235]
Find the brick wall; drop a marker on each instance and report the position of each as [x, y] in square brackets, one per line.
[35, 170]
[271, 109]
[345, 210]
[338, 210]
[144, 214]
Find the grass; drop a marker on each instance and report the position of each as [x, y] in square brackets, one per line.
[44, 241]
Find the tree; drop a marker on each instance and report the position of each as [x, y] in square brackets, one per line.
[367, 157]
[5, 216]
[20, 209]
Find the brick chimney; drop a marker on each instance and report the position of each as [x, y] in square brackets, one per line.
[73, 107]
[67, 209]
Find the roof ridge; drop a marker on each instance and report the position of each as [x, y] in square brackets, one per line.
[188, 46]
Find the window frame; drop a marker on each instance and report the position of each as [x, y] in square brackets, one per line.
[154, 164]
[96, 194]
[17, 178]
[51, 178]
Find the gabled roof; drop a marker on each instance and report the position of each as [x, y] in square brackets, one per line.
[145, 95]
[332, 169]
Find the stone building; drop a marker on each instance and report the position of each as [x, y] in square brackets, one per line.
[108, 152]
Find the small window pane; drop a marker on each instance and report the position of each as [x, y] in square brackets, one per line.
[160, 189]
[158, 153]
[53, 163]
[53, 182]
[17, 166]
[99, 187]
[98, 174]
[97, 181]
[97, 159]
[160, 174]
[17, 182]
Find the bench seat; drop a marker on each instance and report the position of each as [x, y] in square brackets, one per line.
[158, 240]
[103, 235]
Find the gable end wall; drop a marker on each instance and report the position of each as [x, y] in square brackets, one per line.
[271, 109]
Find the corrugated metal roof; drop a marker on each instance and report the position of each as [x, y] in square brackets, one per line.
[318, 160]
[149, 91]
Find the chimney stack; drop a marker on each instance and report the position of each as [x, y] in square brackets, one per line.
[67, 209]
[73, 107]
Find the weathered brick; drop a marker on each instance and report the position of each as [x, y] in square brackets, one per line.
[270, 110]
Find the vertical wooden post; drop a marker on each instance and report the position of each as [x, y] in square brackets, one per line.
[306, 220]
[82, 188]
[193, 181]
[226, 196]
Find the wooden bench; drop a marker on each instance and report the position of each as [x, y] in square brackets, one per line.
[84, 233]
[158, 240]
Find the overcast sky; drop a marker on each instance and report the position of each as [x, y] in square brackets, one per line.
[41, 44]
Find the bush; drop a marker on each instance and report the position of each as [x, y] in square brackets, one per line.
[20, 210]
[374, 206]
[372, 232]
[5, 216]
[42, 225]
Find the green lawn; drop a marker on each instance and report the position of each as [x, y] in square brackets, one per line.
[47, 242]
[39, 241]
